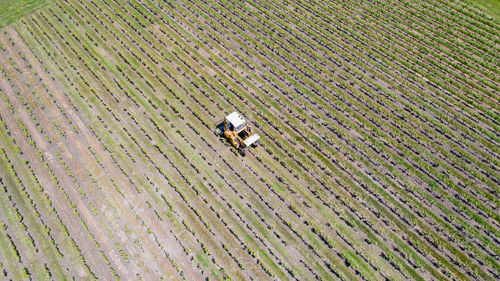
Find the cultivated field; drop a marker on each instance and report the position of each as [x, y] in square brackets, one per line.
[379, 157]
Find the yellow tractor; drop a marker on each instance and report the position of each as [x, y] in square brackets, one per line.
[235, 129]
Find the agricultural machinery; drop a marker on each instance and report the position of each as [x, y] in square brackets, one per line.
[235, 129]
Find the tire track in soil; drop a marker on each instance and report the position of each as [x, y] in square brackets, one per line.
[61, 175]
[173, 247]
[74, 228]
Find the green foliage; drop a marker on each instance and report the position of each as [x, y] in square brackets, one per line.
[491, 7]
[12, 10]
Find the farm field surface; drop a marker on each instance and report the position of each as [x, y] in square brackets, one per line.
[378, 158]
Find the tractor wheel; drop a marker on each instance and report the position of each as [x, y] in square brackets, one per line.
[242, 151]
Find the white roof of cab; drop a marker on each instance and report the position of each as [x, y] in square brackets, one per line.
[235, 119]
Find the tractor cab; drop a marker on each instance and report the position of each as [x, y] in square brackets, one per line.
[234, 122]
